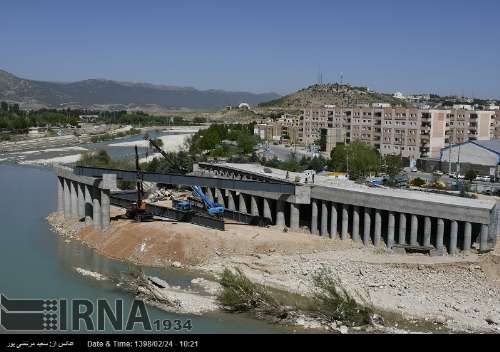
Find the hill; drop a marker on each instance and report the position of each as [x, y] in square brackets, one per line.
[103, 94]
[333, 94]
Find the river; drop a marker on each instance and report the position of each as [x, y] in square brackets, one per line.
[37, 263]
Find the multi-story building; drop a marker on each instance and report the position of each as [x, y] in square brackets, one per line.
[409, 132]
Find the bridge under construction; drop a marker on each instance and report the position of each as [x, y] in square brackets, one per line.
[374, 216]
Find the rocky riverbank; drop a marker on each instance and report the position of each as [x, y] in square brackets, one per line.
[430, 293]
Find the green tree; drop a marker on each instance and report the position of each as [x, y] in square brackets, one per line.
[393, 164]
[470, 175]
[358, 159]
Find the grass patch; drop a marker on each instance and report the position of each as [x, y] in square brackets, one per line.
[334, 303]
[329, 303]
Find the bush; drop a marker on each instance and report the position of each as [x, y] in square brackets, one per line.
[418, 182]
[335, 303]
[239, 294]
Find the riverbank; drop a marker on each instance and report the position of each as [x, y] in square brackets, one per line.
[457, 293]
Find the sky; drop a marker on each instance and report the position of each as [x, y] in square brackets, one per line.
[435, 46]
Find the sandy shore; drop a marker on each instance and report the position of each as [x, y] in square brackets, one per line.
[460, 293]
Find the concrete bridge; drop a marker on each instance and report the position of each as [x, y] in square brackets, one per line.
[373, 216]
[81, 197]
[326, 207]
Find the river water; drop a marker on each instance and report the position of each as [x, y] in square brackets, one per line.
[37, 263]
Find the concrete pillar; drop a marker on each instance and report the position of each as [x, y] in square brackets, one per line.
[88, 205]
[402, 228]
[314, 216]
[390, 230]
[280, 213]
[254, 208]
[467, 236]
[220, 197]
[105, 211]
[345, 221]
[324, 219]
[294, 216]
[230, 201]
[378, 228]
[483, 242]
[427, 231]
[74, 199]
[96, 208]
[367, 226]
[60, 194]
[414, 231]
[333, 221]
[81, 200]
[210, 195]
[67, 198]
[267, 209]
[242, 204]
[440, 235]
[453, 238]
[355, 223]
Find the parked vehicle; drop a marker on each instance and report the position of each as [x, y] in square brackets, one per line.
[438, 173]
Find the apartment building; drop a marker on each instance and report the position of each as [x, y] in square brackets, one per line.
[409, 132]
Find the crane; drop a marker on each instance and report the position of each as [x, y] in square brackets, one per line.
[137, 210]
[212, 207]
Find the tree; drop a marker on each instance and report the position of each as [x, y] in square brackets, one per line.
[4, 106]
[358, 159]
[470, 175]
[393, 165]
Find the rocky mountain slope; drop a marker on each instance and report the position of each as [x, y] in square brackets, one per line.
[100, 93]
[334, 94]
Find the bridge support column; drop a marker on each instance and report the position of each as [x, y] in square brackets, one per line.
[333, 221]
[74, 199]
[230, 200]
[427, 231]
[60, 194]
[345, 221]
[294, 216]
[88, 205]
[254, 208]
[391, 227]
[467, 237]
[414, 231]
[209, 193]
[355, 223]
[324, 219]
[220, 197]
[367, 226]
[314, 216]
[453, 238]
[267, 209]
[67, 198]
[483, 241]
[105, 211]
[440, 236]
[378, 228]
[280, 213]
[402, 228]
[242, 204]
[96, 208]
[81, 200]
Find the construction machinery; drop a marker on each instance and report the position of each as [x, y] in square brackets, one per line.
[212, 208]
[137, 210]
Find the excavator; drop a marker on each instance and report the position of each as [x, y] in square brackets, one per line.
[212, 208]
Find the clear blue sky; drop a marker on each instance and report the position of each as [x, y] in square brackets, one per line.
[442, 46]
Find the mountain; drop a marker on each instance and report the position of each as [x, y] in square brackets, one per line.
[101, 93]
[332, 94]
